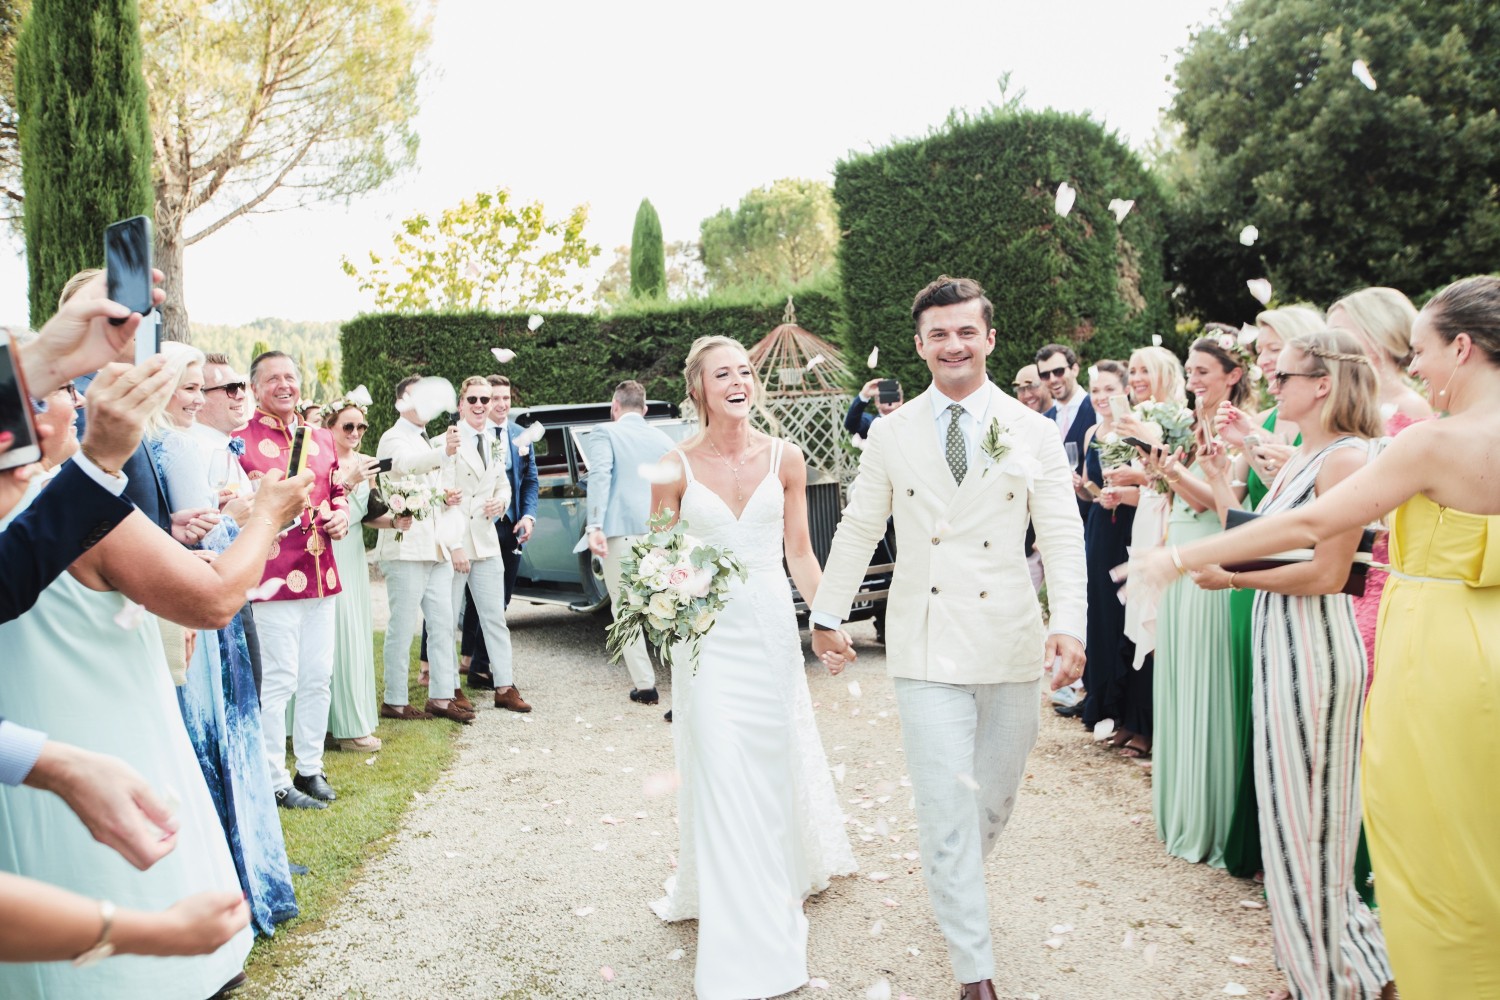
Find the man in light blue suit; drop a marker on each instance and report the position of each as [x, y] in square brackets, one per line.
[619, 504]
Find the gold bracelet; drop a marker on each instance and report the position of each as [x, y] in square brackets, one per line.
[1231, 581]
[1177, 561]
[112, 473]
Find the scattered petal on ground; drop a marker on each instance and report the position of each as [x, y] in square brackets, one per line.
[817, 983]
[880, 991]
[1238, 960]
[878, 876]
[1053, 942]
[583, 911]
[1235, 990]
[675, 955]
[607, 974]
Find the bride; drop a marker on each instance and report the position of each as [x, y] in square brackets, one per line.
[760, 825]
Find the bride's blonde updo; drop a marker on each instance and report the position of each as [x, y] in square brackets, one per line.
[692, 374]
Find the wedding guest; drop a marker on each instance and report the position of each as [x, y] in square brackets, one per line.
[311, 413]
[418, 573]
[296, 621]
[479, 475]
[1309, 682]
[352, 711]
[1381, 319]
[85, 620]
[1439, 881]
[858, 420]
[1028, 388]
[1194, 749]
[217, 698]
[1155, 376]
[619, 505]
[1058, 367]
[1106, 539]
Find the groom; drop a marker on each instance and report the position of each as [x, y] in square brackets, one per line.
[962, 468]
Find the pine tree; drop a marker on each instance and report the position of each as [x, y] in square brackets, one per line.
[85, 136]
[648, 255]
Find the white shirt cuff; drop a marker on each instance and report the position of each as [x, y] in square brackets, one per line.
[1071, 635]
[115, 484]
[826, 620]
[19, 749]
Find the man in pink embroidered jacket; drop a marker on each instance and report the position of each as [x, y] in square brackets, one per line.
[295, 621]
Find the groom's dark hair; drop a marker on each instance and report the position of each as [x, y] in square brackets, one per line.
[946, 291]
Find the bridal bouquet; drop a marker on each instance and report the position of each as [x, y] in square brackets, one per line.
[672, 589]
[410, 496]
[1168, 423]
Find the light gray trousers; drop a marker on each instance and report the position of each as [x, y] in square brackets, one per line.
[956, 736]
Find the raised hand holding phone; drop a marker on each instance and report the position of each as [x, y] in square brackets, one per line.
[16, 423]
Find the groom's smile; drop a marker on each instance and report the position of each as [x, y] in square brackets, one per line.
[954, 341]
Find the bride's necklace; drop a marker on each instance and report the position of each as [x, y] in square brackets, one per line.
[734, 469]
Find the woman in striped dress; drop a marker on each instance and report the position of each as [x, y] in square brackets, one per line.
[1309, 684]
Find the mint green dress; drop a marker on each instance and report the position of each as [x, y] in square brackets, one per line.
[1193, 750]
[354, 710]
[76, 674]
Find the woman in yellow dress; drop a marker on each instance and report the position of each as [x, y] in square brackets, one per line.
[1432, 804]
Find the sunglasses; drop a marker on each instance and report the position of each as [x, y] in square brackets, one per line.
[1054, 373]
[230, 389]
[1018, 386]
[1281, 377]
[474, 400]
[352, 428]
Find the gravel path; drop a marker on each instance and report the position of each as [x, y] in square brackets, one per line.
[526, 871]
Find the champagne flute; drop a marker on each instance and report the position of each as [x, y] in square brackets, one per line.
[1072, 449]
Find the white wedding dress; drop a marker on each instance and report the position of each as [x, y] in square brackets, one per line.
[759, 821]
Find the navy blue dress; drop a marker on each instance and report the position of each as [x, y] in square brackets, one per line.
[1106, 534]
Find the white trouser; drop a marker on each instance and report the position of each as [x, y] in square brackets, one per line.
[296, 654]
[410, 585]
[486, 580]
[954, 735]
[637, 660]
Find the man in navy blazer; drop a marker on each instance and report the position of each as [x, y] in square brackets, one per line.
[1058, 367]
[514, 528]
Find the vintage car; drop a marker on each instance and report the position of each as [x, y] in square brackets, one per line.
[552, 571]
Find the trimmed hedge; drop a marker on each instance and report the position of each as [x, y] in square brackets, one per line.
[976, 199]
[571, 358]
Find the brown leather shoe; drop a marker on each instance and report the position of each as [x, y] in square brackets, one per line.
[510, 699]
[449, 711]
[982, 990]
[410, 712]
[462, 700]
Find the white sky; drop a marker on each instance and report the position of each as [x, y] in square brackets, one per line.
[688, 103]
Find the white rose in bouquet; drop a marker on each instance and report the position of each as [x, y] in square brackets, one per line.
[662, 605]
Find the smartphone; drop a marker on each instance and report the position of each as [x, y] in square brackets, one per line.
[298, 461]
[15, 410]
[1252, 442]
[1119, 406]
[890, 390]
[1136, 442]
[127, 264]
[384, 465]
[148, 339]
[454, 418]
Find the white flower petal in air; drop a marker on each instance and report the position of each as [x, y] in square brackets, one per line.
[1104, 729]
[1121, 208]
[266, 590]
[874, 356]
[1260, 288]
[430, 397]
[472, 270]
[504, 355]
[1248, 333]
[1249, 235]
[1156, 340]
[534, 322]
[129, 616]
[1362, 74]
[1093, 372]
[658, 473]
[1065, 198]
[880, 991]
[817, 359]
[531, 433]
[360, 396]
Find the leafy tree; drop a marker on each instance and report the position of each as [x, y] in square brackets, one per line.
[11, 14]
[485, 253]
[85, 139]
[648, 263]
[1347, 186]
[685, 275]
[782, 234]
[261, 105]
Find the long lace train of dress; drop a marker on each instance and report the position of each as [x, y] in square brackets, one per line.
[759, 822]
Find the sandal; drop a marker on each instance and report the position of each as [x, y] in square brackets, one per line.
[1135, 749]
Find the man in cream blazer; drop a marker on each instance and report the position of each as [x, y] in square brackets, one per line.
[418, 572]
[480, 476]
[962, 468]
[619, 505]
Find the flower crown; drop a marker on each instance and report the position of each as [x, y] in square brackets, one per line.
[1238, 343]
[358, 397]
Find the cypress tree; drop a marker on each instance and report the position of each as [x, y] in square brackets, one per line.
[85, 136]
[648, 255]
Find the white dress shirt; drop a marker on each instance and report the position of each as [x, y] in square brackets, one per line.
[976, 407]
[215, 440]
[1068, 412]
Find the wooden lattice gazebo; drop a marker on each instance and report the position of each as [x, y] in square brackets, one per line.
[803, 377]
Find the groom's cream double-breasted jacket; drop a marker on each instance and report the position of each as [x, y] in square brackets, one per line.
[962, 609]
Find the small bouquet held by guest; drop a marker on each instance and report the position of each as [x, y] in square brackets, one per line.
[409, 496]
[672, 589]
[1162, 422]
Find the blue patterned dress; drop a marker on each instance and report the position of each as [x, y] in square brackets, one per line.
[222, 713]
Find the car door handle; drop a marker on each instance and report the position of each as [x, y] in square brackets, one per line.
[570, 503]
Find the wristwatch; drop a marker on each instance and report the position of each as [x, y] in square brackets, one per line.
[102, 949]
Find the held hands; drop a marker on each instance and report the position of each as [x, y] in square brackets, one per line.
[1066, 655]
[118, 403]
[834, 648]
[453, 497]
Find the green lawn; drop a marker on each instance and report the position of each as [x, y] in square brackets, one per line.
[337, 842]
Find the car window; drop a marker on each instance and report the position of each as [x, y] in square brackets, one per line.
[551, 454]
